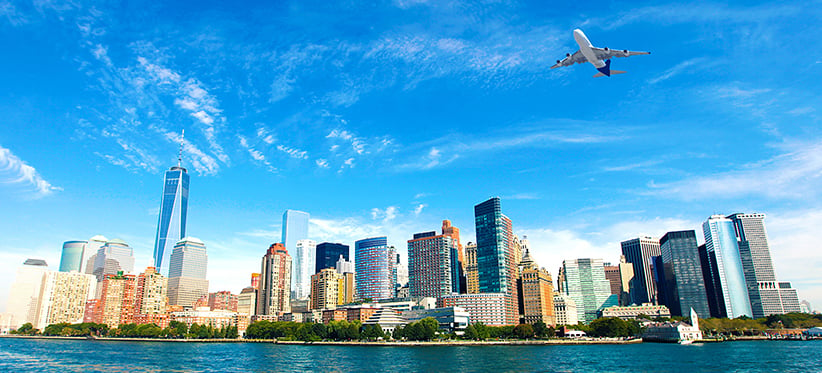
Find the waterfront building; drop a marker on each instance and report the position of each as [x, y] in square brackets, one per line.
[151, 298]
[727, 273]
[275, 282]
[626, 279]
[454, 232]
[487, 308]
[536, 292]
[113, 257]
[402, 273]
[471, 274]
[71, 259]
[295, 228]
[433, 266]
[247, 301]
[328, 254]
[789, 298]
[585, 283]
[496, 256]
[613, 277]
[117, 300]
[204, 317]
[676, 331]
[632, 312]
[684, 285]
[387, 319]
[360, 312]
[375, 263]
[25, 293]
[221, 300]
[63, 297]
[187, 272]
[334, 315]
[302, 267]
[764, 291]
[640, 252]
[327, 289]
[93, 245]
[451, 319]
[171, 226]
[565, 309]
[255, 280]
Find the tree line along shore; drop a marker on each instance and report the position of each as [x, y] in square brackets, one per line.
[613, 329]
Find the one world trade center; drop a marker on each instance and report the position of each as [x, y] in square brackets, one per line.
[173, 210]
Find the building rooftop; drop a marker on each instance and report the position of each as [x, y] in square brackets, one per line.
[35, 262]
[99, 238]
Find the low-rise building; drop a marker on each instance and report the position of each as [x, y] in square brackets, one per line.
[204, 316]
[674, 331]
[387, 319]
[334, 315]
[451, 319]
[487, 308]
[631, 312]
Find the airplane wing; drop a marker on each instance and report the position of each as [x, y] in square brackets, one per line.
[605, 53]
[577, 57]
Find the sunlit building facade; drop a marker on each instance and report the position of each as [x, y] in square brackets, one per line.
[375, 264]
[171, 227]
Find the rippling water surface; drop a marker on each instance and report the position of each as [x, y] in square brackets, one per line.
[35, 355]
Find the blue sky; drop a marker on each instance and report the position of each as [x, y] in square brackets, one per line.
[386, 118]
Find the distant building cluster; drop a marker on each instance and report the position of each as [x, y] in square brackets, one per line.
[493, 280]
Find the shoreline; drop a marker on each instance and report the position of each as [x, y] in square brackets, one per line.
[557, 342]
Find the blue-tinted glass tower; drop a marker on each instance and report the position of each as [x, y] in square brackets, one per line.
[173, 211]
[683, 286]
[295, 228]
[375, 263]
[726, 266]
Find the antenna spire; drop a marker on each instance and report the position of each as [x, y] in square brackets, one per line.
[180, 157]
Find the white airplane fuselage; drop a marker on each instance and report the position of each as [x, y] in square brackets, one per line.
[585, 48]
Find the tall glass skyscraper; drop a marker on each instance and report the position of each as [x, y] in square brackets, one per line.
[685, 287]
[721, 246]
[374, 262]
[72, 256]
[171, 227]
[302, 267]
[295, 228]
[584, 282]
[640, 252]
[497, 260]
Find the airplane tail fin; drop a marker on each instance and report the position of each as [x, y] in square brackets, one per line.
[613, 72]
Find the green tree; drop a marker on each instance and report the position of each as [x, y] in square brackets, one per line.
[470, 332]
[26, 329]
[540, 329]
[524, 331]
[609, 327]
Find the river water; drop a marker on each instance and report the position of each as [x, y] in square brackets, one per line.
[37, 355]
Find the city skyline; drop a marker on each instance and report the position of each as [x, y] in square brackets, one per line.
[401, 116]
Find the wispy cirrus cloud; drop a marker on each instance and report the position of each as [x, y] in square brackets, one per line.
[796, 173]
[687, 65]
[15, 171]
[293, 152]
[705, 12]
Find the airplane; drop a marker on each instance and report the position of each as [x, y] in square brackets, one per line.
[599, 57]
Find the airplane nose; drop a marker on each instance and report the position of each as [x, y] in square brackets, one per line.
[577, 32]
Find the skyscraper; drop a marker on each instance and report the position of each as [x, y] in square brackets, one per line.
[375, 275]
[536, 292]
[327, 289]
[613, 277]
[171, 227]
[151, 298]
[471, 274]
[585, 283]
[685, 286]
[496, 257]
[63, 298]
[275, 282]
[90, 250]
[25, 292]
[71, 258]
[639, 252]
[763, 289]
[113, 257]
[728, 275]
[454, 232]
[117, 300]
[302, 267]
[433, 265]
[295, 228]
[188, 265]
[328, 253]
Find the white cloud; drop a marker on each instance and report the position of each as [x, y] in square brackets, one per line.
[522, 196]
[418, 209]
[678, 69]
[200, 161]
[293, 152]
[14, 170]
[795, 174]
[322, 163]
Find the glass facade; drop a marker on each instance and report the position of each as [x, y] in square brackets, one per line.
[496, 267]
[328, 254]
[433, 265]
[302, 267]
[374, 263]
[726, 267]
[684, 284]
[757, 265]
[585, 283]
[171, 227]
[640, 252]
[72, 256]
[295, 228]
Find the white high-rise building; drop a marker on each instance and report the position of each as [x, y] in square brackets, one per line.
[25, 293]
[63, 298]
[730, 287]
[93, 245]
[302, 267]
[188, 265]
